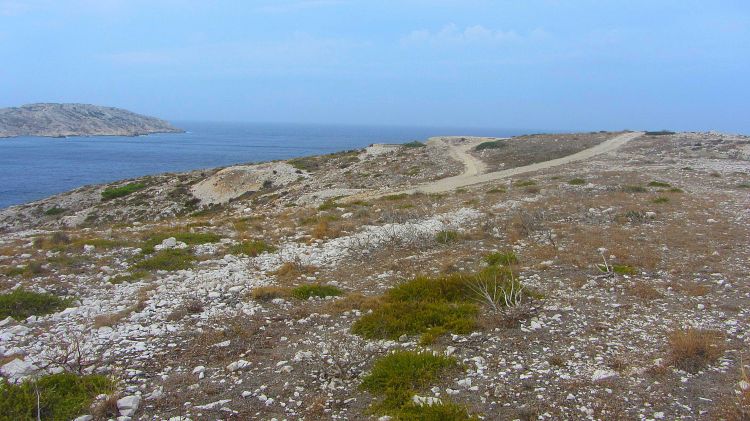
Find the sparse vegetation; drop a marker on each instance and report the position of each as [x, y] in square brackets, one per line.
[169, 260]
[524, 183]
[187, 237]
[54, 211]
[660, 200]
[129, 277]
[115, 192]
[304, 292]
[414, 144]
[501, 258]
[694, 349]
[252, 248]
[446, 237]
[495, 144]
[61, 397]
[21, 304]
[634, 189]
[268, 293]
[659, 184]
[577, 182]
[400, 375]
[660, 133]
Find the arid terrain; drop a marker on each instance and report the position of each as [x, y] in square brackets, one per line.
[460, 278]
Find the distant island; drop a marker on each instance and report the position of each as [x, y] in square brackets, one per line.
[61, 120]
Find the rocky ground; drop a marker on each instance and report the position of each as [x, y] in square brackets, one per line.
[637, 260]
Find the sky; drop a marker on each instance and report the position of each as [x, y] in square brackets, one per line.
[533, 64]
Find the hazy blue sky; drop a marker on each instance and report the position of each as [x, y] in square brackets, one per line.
[543, 64]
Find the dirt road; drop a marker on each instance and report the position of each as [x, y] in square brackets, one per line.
[474, 168]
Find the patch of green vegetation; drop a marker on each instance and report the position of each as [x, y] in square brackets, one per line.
[328, 205]
[131, 277]
[660, 200]
[498, 258]
[495, 144]
[318, 218]
[433, 306]
[743, 186]
[577, 182]
[252, 248]
[675, 190]
[414, 144]
[169, 260]
[62, 397]
[21, 304]
[304, 292]
[187, 237]
[659, 184]
[399, 196]
[634, 189]
[400, 375]
[525, 183]
[660, 133]
[55, 210]
[27, 271]
[446, 237]
[115, 192]
[624, 270]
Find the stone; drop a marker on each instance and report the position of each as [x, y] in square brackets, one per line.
[18, 369]
[84, 418]
[128, 405]
[238, 365]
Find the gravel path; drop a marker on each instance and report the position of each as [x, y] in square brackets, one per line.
[473, 173]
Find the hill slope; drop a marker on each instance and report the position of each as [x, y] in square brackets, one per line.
[55, 120]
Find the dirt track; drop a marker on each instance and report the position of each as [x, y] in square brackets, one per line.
[474, 168]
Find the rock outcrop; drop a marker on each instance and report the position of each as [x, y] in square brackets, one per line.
[59, 120]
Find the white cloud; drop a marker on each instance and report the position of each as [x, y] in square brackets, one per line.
[451, 34]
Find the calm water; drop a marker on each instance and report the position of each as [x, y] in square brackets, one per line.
[32, 168]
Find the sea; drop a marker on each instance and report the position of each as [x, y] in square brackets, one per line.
[33, 168]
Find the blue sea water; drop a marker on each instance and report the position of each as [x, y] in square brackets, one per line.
[32, 168]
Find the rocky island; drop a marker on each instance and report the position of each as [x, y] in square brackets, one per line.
[61, 120]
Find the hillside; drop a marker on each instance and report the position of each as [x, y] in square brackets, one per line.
[59, 120]
[559, 276]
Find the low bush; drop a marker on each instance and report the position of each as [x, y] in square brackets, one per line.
[693, 349]
[624, 270]
[577, 182]
[498, 258]
[252, 248]
[115, 192]
[659, 184]
[169, 260]
[496, 190]
[62, 397]
[21, 304]
[269, 293]
[414, 144]
[660, 200]
[495, 144]
[129, 277]
[446, 237]
[55, 210]
[304, 292]
[396, 196]
[660, 133]
[433, 306]
[398, 376]
[524, 183]
[634, 189]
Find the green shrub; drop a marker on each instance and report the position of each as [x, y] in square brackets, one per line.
[743, 186]
[55, 210]
[304, 292]
[495, 190]
[414, 144]
[393, 319]
[495, 144]
[252, 248]
[660, 200]
[115, 192]
[659, 184]
[187, 237]
[660, 133]
[634, 189]
[21, 304]
[62, 397]
[400, 375]
[131, 277]
[396, 196]
[577, 182]
[675, 190]
[169, 260]
[506, 258]
[624, 270]
[525, 183]
[328, 205]
[446, 237]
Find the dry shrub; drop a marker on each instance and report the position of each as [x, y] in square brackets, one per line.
[268, 293]
[106, 409]
[693, 349]
[292, 270]
[693, 289]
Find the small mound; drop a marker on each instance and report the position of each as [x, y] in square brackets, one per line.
[233, 182]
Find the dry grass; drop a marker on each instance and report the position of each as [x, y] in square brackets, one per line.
[292, 270]
[112, 319]
[644, 291]
[269, 293]
[693, 349]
